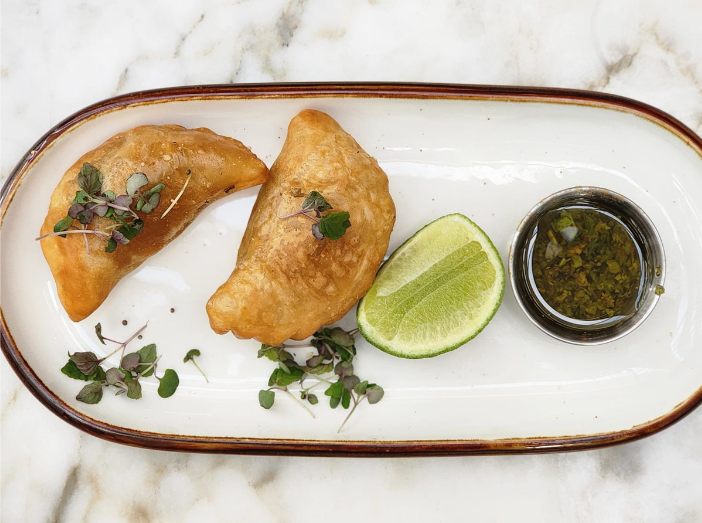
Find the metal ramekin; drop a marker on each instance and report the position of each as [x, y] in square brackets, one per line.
[557, 325]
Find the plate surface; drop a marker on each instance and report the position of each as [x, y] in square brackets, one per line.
[490, 153]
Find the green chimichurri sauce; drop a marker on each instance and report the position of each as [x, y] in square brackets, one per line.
[586, 264]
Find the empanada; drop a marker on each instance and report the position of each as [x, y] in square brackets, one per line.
[168, 154]
[287, 283]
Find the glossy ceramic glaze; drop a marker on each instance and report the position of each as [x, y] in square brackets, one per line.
[488, 153]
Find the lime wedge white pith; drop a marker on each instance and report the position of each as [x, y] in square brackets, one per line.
[437, 291]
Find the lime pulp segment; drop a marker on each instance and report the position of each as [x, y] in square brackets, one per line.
[437, 291]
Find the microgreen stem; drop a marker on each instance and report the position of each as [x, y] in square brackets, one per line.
[87, 247]
[174, 201]
[285, 389]
[355, 404]
[198, 368]
[122, 346]
[147, 369]
[79, 231]
[303, 212]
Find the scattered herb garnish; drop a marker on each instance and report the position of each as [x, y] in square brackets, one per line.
[190, 356]
[332, 225]
[586, 264]
[86, 366]
[92, 201]
[335, 353]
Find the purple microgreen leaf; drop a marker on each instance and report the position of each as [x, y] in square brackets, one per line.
[316, 232]
[350, 382]
[100, 209]
[90, 179]
[87, 362]
[114, 376]
[122, 201]
[135, 182]
[343, 369]
[374, 393]
[91, 393]
[130, 361]
[71, 370]
[75, 209]
[119, 237]
[341, 337]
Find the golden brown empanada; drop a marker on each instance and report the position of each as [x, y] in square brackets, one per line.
[287, 283]
[165, 154]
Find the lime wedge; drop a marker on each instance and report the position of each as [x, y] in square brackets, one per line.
[437, 291]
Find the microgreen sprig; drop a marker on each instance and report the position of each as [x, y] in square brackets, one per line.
[92, 201]
[332, 225]
[335, 353]
[86, 366]
[190, 356]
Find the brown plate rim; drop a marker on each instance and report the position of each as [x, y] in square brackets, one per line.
[263, 446]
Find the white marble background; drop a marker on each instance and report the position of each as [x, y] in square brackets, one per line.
[58, 56]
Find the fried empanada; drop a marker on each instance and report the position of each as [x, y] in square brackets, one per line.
[287, 283]
[168, 154]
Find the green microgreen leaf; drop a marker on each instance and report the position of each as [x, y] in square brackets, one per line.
[135, 182]
[169, 383]
[111, 245]
[110, 196]
[98, 333]
[191, 354]
[266, 398]
[90, 179]
[134, 390]
[360, 387]
[63, 225]
[312, 399]
[334, 224]
[91, 393]
[335, 390]
[147, 355]
[284, 378]
[316, 202]
[345, 399]
[341, 337]
[81, 197]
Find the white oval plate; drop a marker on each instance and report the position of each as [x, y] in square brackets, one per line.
[490, 153]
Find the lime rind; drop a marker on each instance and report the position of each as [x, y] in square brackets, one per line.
[441, 326]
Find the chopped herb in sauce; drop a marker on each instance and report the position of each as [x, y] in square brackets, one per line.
[586, 264]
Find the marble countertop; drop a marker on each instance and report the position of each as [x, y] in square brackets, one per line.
[58, 57]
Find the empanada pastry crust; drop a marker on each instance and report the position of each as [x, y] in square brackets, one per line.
[286, 283]
[218, 166]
